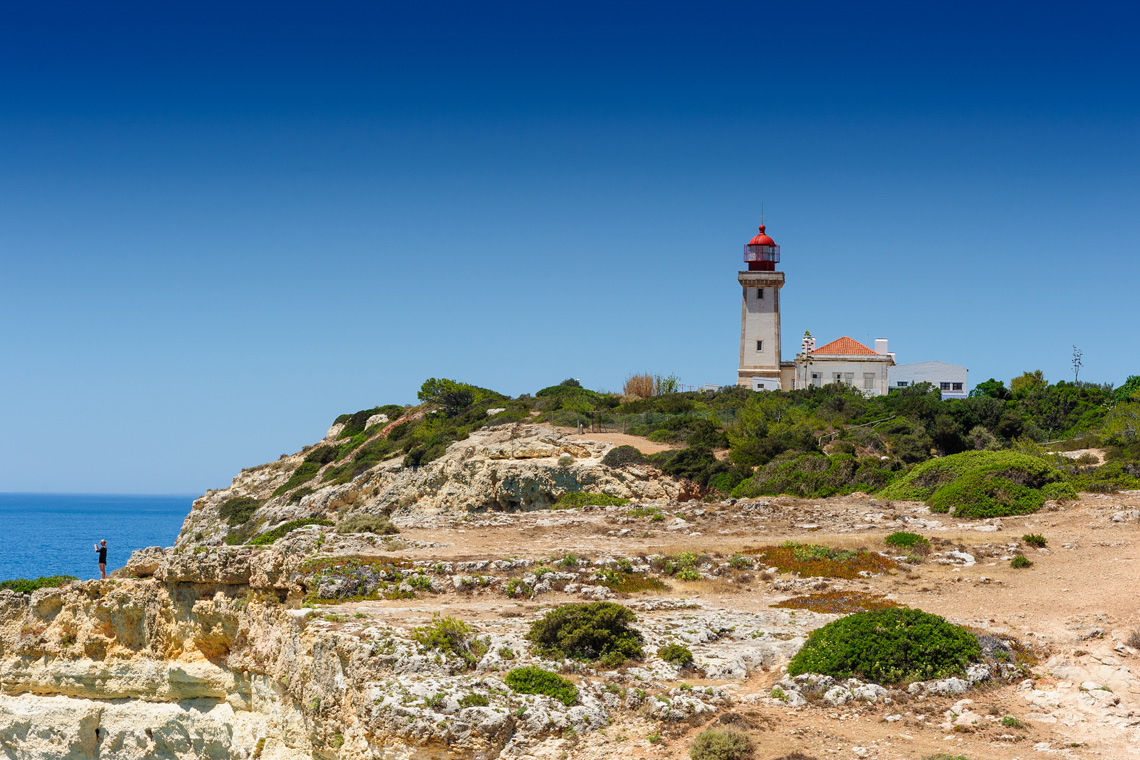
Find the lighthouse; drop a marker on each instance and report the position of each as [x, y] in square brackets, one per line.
[760, 365]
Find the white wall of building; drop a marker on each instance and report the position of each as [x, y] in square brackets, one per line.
[868, 373]
[949, 378]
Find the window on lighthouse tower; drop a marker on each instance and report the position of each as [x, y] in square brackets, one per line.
[759, 345]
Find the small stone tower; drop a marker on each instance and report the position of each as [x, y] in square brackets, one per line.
[760, 315]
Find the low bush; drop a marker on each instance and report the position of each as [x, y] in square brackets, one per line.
[910, 541]
[815, 476]
[451, 636]
[1035, 539]
[576, 499]
[269, 536]
[238, 510]
[595, 632]
[28, 585]
[697, 465]
[980, 484]
[362, 522]
[1108, 478]
[474, 700]
[676, 654]
[712, 744]
[535, 680]
[887, 646]
[1019, 563]
[622, 456]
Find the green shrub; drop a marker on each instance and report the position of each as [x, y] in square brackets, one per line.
[712, 744]
[362, 522]
[676, 654]
[887, 646]
[622, 456]
[904, 540]
[595, 632]
[1108, 478]
[1011, 722]
[238, 510]
[815, 476]
[1060, 491]
[979, 483]
[269, 536]
[451, 636]
[576, 499]
[1035, 539]
[535, 680]
[697, 465]
[28, 585]
[740, 562]
[474, 700]
[1020, 562]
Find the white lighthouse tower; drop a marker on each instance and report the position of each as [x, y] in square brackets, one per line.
[760, 365]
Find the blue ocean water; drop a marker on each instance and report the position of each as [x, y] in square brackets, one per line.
[54, 534]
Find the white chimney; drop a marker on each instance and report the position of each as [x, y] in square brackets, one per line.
[881, 346]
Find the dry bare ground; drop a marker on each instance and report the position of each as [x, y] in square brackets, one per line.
[1075, 608]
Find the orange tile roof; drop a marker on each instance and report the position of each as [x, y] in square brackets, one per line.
[844, 346]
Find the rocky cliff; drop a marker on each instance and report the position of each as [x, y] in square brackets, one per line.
[315, 642]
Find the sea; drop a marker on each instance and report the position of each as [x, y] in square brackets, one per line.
[54, 534]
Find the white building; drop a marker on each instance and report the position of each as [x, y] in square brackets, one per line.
[949, 378]
[845, 361]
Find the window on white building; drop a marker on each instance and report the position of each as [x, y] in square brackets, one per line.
[944, 386]
[816, 379]
[848, 378]
[869, 380]
[956, 386]
[903, 383]
[838, 377]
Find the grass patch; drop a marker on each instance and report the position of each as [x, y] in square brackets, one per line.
[535, 680]
[269, 536]
[1035, 539]
[811, 560]
[577, 499]
[366, 523]
[1020, 563]
[887, 646]
[629, 582]
[838, 602]
[597, 632]
[28, 585]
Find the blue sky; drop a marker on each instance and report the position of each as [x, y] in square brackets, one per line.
[224, 224]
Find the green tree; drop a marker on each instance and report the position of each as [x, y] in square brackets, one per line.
[1130, 389]
[451, 396]
[992, 388]
[1026, 383]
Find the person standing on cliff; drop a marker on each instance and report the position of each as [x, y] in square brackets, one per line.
[101, 547]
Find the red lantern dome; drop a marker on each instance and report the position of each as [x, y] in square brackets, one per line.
[761, 253]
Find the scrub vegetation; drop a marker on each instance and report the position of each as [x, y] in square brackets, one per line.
[887, 646]
[980, 456]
